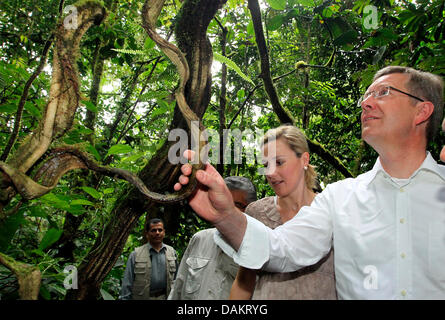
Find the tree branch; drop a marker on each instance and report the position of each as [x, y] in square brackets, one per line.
[281, 112]
[28, 277]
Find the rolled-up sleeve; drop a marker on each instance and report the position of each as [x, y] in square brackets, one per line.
[254, 249]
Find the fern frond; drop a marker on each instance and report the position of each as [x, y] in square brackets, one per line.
[231, 65]
[129, 51]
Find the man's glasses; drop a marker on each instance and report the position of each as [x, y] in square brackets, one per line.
[382, 92]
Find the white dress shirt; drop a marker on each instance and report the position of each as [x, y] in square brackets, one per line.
[388, 235]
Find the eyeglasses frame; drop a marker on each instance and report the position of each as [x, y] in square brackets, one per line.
[391, 88]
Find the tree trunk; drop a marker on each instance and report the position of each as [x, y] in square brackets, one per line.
[222, 104]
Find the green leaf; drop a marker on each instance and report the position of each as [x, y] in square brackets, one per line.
[346, 38]
[55, 201]
[306, 3]
[381, 38]
[92, 192]
[32, 109]
[119, 149]
[44, 292]
[76, 210]
[277, 4]
[91, 149]
[8, 108]
[90, 106]
[134, 157]
[108, 190]
[250, 30]
[149, 44]
[231, 65]
[82, 202]
[37, 211]
[8, 228]
[240, 94]
[106, 295]
[275, 23]
[51, 236]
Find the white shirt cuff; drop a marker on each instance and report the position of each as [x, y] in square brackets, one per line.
[254, 250]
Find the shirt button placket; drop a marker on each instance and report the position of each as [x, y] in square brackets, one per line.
[403, 243]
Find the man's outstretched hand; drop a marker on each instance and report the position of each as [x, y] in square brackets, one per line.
[213, 200]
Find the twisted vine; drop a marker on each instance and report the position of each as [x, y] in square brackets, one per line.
[63, 102]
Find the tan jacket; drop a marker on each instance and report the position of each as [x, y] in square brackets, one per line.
[142, 271]
[205, 272]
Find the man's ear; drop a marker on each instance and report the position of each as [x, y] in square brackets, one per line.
[424, 112]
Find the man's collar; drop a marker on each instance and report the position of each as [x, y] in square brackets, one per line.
[429, 164]
[150, 247]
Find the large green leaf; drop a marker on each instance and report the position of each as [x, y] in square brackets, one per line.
[90, 106]
[231, 65]
[32, 109]
[275, 22]
[51, 236]
[55, 201]
[8, 229]
[381, 38]
[8, 108]
[92, 192]
[277, 4]
[119, 149]
[91, 149]
[82, 202]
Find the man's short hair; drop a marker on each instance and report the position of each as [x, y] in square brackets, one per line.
[424, 85]
[153, 221]
[243, 184]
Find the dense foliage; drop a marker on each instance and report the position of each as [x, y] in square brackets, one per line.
[323, 55]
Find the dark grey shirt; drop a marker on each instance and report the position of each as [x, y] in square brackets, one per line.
[158, 270]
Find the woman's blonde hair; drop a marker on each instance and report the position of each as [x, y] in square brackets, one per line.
[296, 140]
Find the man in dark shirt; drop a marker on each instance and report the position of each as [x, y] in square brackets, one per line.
[151, 268]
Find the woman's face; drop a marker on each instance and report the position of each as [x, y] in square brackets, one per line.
[284, 170]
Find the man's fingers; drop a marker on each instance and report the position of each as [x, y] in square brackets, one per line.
[183, 180]
[189, 154]
[186, 169]
[177, 186]
[210, 177]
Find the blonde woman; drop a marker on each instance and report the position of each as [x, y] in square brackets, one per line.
[293, 179]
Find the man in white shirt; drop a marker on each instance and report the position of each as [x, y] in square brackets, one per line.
[387, 225]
